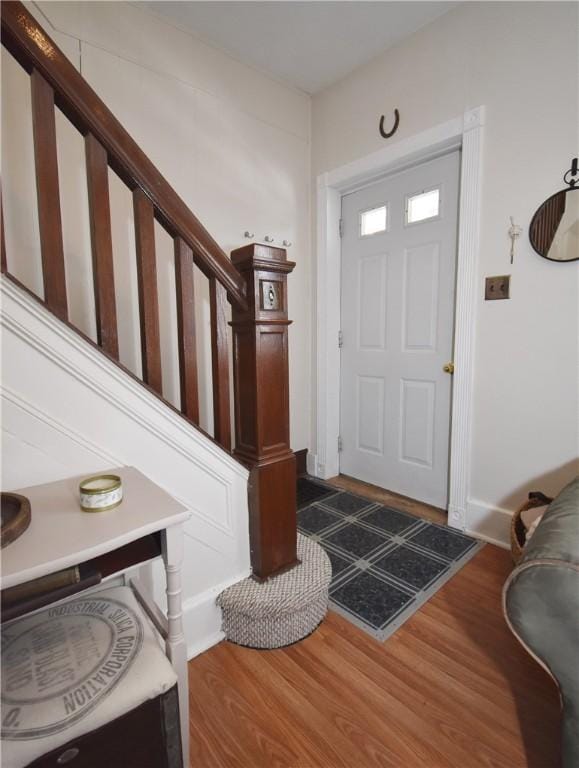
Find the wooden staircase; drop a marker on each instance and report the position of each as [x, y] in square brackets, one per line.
[253, 281]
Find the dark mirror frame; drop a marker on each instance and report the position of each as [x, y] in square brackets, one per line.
[534, 220]
[571, 178]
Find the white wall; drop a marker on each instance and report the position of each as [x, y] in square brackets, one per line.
[234, 144]
[520, 60]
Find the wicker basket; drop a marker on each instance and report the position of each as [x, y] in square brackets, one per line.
[536, 499]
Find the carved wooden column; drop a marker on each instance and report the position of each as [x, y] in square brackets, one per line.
[261, 382]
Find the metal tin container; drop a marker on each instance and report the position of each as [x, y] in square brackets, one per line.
[100, 493]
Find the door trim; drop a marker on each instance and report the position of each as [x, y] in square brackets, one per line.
[464, 132]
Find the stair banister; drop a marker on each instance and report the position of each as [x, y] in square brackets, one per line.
[253, 281]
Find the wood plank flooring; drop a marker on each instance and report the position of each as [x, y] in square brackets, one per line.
[451, 688]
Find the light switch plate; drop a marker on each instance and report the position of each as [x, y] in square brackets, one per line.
[497, 287]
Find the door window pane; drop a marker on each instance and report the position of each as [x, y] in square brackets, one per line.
[373, 221]
[425, 205]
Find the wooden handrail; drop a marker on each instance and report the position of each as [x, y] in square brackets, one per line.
[34, 49]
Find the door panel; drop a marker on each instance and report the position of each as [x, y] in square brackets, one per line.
[372, 302]
[420, 297]
[370, 404]
[417, 421]
[397, 329]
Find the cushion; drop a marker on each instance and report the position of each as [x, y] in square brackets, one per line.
[529, 517]
[74, 667]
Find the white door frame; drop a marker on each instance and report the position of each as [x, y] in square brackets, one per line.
[464, 132]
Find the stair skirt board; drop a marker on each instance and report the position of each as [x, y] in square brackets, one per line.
[386, 563]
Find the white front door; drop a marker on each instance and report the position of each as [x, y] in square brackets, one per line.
[398, 283]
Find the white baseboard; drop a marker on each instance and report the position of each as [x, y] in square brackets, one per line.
[311, 464]
[317, 469]
[492, 524]
[202, 618]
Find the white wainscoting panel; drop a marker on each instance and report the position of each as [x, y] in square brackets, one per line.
[67, 409]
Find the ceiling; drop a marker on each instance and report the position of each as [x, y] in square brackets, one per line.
[309, 45]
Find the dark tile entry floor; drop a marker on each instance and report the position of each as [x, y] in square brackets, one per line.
[309, 491]
[386, 563]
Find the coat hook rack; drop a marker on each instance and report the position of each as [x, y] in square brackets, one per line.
[388, 134]
[269, 239]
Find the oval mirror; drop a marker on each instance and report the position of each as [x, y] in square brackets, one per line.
[554, 230]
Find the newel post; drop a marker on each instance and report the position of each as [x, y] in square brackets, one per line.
[261, 384]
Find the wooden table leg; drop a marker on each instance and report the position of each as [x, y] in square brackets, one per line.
[175, 645]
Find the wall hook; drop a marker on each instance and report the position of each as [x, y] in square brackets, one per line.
[249, 234]
[572, 173]
[514, 233]
[286, 244]
[388, 134]
[268, 239]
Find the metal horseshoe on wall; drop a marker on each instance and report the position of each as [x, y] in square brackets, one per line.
[387, 134]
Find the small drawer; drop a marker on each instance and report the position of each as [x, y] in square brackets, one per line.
[146, 737]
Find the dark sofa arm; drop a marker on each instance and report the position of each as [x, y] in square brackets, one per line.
[541, 605]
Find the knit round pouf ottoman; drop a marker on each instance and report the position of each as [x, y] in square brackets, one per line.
[285, 608]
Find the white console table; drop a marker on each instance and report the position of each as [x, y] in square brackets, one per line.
[147, 524]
